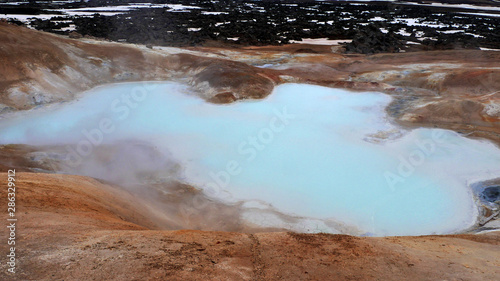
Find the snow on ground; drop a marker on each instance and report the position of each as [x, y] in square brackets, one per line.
[452, 31]
[214, 13]
[90, 11]
[25, 18]
[455, 6]
[481, 14]
[488, 49]
[418, 22]
[403, 32]
[320, 41]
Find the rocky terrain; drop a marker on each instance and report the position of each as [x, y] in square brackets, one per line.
[77, 228]
[415, 26]
[39, 68]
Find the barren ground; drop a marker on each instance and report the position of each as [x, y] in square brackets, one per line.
[77, 228]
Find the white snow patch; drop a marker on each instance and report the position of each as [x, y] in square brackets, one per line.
[320, 41]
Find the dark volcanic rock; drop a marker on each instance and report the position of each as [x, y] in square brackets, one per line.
[492, 193]
[370, 40]
[274, 23]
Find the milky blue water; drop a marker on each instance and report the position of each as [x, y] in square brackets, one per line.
[311, 152]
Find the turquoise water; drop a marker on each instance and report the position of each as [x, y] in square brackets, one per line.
[312, 152]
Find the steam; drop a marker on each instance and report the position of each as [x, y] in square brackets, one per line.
[307, 158]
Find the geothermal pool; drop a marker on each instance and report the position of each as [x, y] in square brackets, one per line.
[326, 157]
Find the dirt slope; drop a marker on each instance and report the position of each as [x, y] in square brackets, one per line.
[456, 90]
[76, 228]
[39, 68]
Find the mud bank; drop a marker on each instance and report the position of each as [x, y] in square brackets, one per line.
[362, 174]
[93, 231]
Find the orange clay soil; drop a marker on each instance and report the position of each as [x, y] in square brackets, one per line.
[76, 228]
[457, 89]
